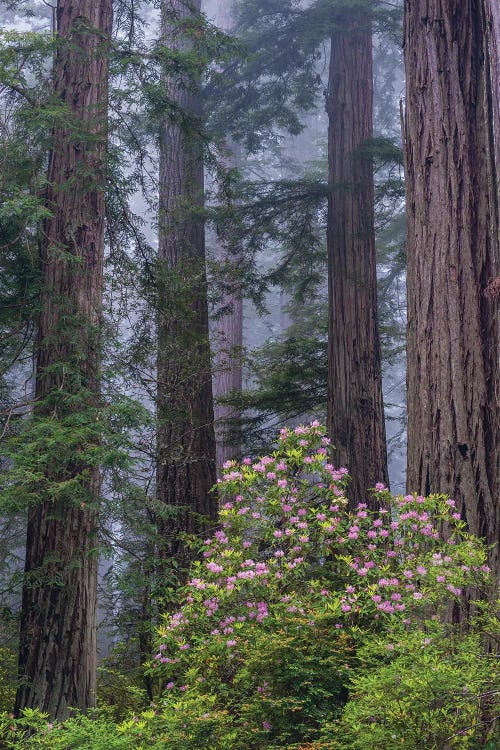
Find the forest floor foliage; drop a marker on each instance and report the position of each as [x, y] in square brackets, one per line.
[311, 625]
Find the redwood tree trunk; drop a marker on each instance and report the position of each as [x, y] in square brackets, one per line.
[355, 408]
[453, 251]
[185, 436]
[228, 375]
[492, 11]
[57, 660]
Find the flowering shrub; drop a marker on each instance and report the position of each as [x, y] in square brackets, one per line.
[297, 600]
[291, 584]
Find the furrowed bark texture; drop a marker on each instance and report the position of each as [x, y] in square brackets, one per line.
[185, 437]
[57, 660]
[228, 376]
[355, 408]
[492, 11]
[453, 252]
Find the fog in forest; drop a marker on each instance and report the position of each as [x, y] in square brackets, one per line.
[249, 418]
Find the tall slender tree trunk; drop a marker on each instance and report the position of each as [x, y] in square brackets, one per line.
[228, 375]
[57, 659]
[453, 252]
[355, 408]
[185, 435]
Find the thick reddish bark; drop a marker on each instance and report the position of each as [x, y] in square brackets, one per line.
[228, 375]
[453, 251]
[492, 13]
[355, 408]
[185, 436]
[57, 660]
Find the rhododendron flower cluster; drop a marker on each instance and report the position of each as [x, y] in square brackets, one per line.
[288, 544]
